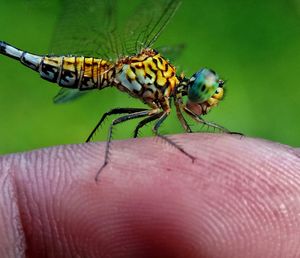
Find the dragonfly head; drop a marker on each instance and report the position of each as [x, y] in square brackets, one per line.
[204, 91]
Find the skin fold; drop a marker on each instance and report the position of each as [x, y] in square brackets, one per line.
[240, 198]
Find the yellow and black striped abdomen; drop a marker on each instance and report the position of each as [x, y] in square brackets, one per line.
[81, 73]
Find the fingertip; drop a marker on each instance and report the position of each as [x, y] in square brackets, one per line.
[150, 198]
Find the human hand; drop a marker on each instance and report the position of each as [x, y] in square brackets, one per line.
[240, 198]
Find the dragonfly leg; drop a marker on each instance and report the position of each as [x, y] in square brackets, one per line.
[121, 119]
[165, 138]
[144, 122]
[209, 124]
[182, 120]
[114, 111]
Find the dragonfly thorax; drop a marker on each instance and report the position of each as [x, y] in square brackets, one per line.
[147, 76]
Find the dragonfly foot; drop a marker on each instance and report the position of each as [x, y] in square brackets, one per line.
[178, 147]
[237, 133]
[187, 154]
[193, 159]
[99, 171]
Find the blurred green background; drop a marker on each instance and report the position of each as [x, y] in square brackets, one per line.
[255, 45]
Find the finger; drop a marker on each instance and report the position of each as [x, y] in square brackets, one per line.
[239, 199]
[12, 237]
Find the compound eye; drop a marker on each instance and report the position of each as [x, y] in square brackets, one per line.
[202, 85]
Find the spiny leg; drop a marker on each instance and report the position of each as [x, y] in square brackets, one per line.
[182, 120]
[114, 111]
[202, 121]
[115, 122]
[211, 124]
[144, 122]
[165, 138]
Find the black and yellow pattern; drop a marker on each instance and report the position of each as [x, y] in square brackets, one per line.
[147, 76]
[77, 72]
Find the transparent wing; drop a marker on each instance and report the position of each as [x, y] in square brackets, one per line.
[89, 27]
[171, 52]
[147, 22]
[86, 27]
[65, 95]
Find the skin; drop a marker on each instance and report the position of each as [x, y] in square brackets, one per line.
[240, 198]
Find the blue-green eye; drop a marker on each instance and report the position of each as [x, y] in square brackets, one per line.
[203, 85]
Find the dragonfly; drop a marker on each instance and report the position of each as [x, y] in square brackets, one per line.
[92, 53]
